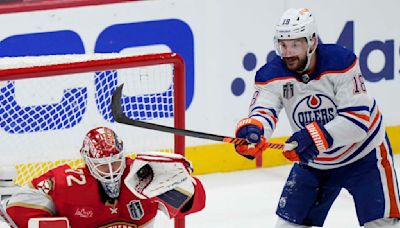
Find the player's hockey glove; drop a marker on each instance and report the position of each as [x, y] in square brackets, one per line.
[311, 141]
[253, 131]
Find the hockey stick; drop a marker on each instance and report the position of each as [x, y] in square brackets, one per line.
[120, 117]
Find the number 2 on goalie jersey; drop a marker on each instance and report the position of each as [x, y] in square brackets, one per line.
[71, 177]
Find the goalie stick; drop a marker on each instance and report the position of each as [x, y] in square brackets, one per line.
[120, 117]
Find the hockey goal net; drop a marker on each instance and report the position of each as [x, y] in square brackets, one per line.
[48, 103]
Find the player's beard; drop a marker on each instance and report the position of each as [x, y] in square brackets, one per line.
[295, 63]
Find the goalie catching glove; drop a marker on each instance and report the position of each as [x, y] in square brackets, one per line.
[164, 177]
[253, 131]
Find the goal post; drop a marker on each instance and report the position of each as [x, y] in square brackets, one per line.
[48, 103]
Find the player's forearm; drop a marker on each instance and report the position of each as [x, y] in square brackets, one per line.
[265, 107]
[344, 132]
[268, 116]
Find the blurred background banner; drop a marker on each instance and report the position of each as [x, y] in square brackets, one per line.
[222, 42]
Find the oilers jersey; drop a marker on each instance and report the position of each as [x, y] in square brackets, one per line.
[334, 95]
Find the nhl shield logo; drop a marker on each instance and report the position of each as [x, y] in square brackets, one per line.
[288, 90]
[135, 209]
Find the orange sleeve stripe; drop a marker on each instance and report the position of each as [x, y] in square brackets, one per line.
[337, 71]
[274, 119]
[378, 114]
[361, 116]
[269, 115]
[340, 155]
[394, 208]
[336, 157]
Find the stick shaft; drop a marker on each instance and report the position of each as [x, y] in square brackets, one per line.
[120, 117]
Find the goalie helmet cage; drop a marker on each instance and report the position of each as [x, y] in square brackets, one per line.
[20, 68]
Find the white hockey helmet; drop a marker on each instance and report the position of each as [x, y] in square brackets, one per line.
[294, 24]
[102, 152]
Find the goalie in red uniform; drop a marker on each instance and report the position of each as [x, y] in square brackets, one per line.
[111, 190]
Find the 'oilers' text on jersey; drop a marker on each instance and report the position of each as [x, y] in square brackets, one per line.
[334, 95]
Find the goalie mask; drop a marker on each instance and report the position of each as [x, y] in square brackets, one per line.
[102, 152]
[295, 24]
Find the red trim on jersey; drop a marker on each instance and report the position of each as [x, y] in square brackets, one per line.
[378, 114]
[361, 116]
[336, 157]
[394, 209]
[269, 115]
[276, 79]
[273, 119]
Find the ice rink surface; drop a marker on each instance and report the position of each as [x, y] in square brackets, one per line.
[248, 199]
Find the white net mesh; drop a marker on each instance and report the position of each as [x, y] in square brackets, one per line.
[43, 120]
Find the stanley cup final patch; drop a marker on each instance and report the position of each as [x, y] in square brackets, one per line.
[135, 209]
[288, 90]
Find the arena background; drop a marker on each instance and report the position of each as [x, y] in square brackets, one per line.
[223, 43]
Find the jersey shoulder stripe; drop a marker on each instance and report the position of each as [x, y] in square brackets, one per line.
[272, 71]
[333, 58]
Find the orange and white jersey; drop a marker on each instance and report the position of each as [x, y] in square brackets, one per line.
[334, 95]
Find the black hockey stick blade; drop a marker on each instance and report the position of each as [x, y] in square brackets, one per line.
[120, 117]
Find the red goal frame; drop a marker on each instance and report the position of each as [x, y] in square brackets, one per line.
[119, 63]
[34, 5]
[179, 88]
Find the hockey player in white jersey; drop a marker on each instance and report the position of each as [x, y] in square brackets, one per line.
[338, 129]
